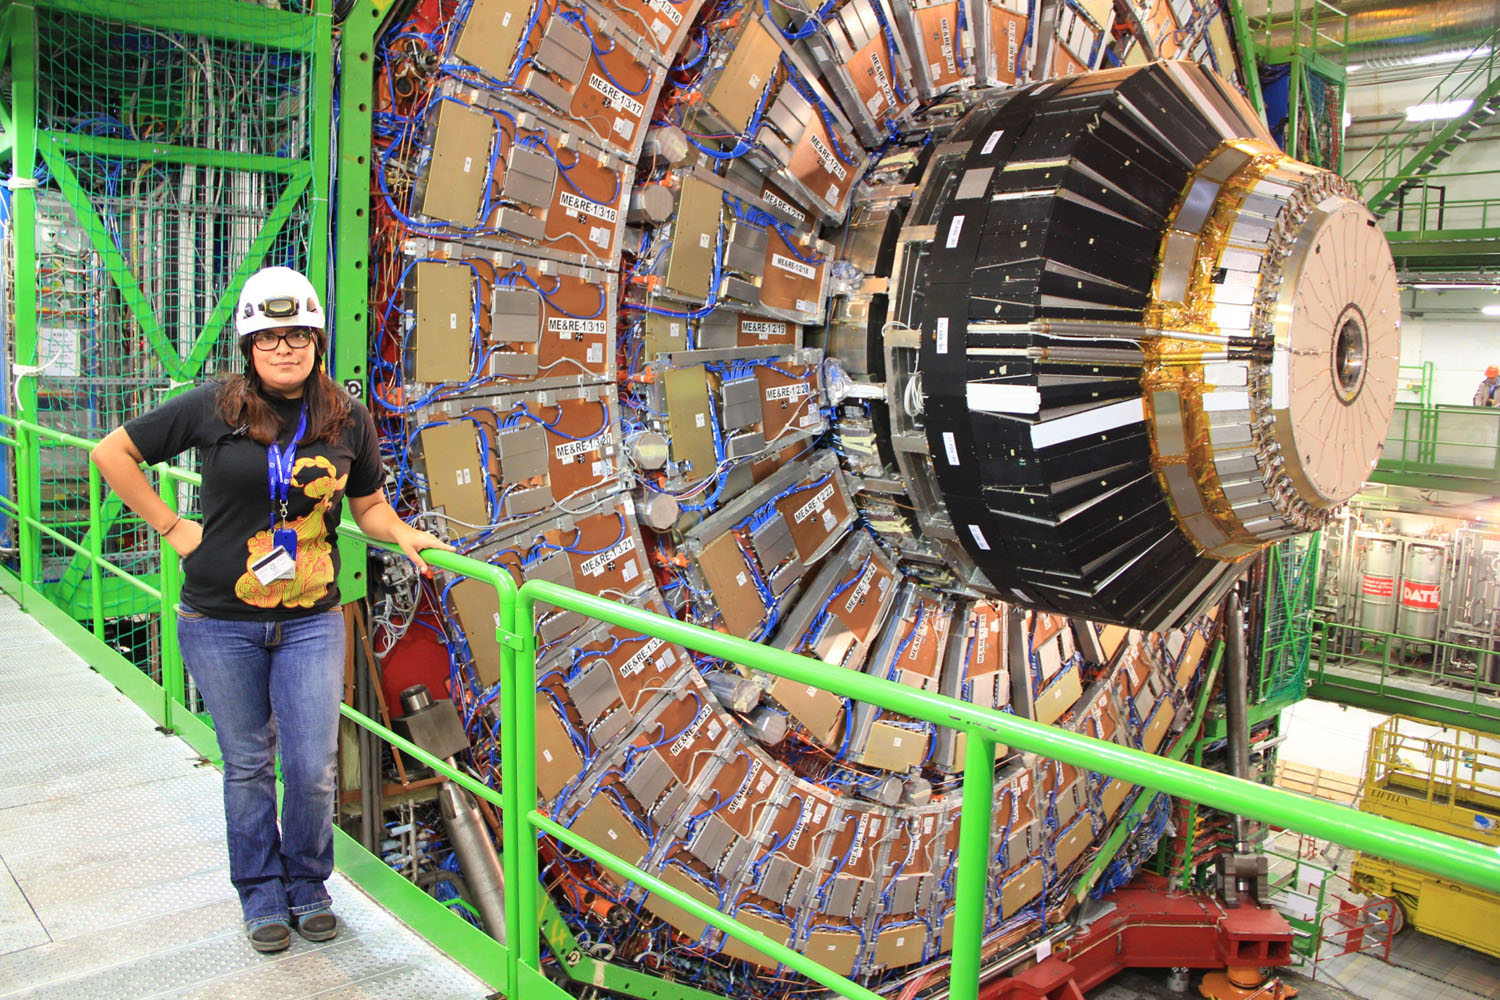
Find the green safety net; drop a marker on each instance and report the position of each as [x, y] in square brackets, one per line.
[170, 163]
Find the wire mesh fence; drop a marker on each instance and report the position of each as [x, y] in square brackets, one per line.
[175, 153]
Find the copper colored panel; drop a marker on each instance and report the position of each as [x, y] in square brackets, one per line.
[601, 822]
[900, 946]
[1060, 695]
[1192, 657]
[676, 916]
[834, 950]
[773, 929]
[457, 174]
[724, 569]
[1156, 729]
[1114, 793]
[791, 280]
[815, 515]
[894, 748]
[456, 472]
[478, 609]
[1072, 842]
[818, 710]
[1020, 889]
[491, 35]
[788, 403]
[443, 337]
[736, 91]
[688, 419]
[557, 763]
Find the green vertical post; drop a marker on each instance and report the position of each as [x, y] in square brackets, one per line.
[96, 551]
[173, 688]
[1249, 60]
[522, 931]
[974, 829]
[22, 25]
[320, 69]
[350, 347]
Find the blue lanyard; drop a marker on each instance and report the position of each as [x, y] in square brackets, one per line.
[279, 468]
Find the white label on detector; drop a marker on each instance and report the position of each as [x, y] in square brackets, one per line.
[794, 266]
[954, 229]
[624, 126]
[665, 7]
[945, 34]
[979, 538]
[950, 447]
[770, 198]
[596, 565]
[567, 325]
[762, 329]
[814, 505]
[638, 662]
[575, 203]
[826, 158]
[794, 391]
[685, 740]
[599, 236]
[942, 335]
[882, 81]
[572, 449]
[989, 144]
[616, 97]
[861, 589]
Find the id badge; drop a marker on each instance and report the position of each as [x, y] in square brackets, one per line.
[276, 565]
[286, 539]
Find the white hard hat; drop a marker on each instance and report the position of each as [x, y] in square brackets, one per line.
[276, 297]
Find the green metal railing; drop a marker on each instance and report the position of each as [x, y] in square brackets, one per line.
[1444, 682]
[516, 968]
[1314, 50]
[1442, 447]
[1403, 153]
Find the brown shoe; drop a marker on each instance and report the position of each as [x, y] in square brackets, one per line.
[320, 925]
[274, 936]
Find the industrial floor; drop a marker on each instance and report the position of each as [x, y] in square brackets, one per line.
[114, 882]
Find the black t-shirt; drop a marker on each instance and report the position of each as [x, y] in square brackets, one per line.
[236, 501]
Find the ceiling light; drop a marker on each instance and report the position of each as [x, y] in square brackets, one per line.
[1437, 110]
[1438, 286]
[1491, 310]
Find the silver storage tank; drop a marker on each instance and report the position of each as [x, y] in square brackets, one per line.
[1421, 591]
[1377, 586]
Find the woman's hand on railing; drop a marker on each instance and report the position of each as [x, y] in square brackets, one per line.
[184, 536]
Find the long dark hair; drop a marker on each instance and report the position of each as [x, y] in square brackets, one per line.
[243, 402]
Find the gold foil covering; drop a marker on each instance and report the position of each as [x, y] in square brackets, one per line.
[1174, 363]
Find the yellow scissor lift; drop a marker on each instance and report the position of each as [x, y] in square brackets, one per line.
[1445, 779]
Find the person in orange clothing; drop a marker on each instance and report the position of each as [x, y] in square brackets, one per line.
[1488, 393]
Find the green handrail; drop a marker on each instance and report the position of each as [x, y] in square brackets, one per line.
[521, 821]
[1474, 72]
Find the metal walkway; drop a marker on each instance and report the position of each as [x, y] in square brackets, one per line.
[114, 880]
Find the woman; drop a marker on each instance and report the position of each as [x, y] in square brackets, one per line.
[260, 626]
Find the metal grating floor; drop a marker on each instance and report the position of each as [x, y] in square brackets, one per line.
[113, 876]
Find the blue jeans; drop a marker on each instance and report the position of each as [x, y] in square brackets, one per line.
[271, 684]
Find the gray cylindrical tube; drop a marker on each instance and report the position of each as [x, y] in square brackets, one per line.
[1236, 715]
[476, 855]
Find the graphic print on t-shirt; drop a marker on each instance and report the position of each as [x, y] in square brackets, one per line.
[314, 572]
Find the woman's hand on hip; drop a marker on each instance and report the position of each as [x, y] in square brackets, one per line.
[185, 537]
[412, 540]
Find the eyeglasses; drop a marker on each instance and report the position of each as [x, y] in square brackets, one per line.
[295, 337]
